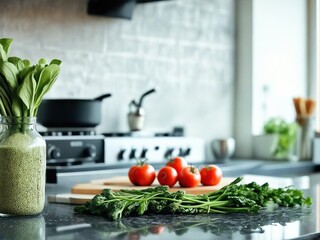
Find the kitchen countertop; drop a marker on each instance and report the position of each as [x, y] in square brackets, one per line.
[58, 221]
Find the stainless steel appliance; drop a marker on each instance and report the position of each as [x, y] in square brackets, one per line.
[83, 152]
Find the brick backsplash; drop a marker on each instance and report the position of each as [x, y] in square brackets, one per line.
[185, 48]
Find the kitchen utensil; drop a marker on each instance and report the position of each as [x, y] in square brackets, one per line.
[304, 118]
[304, 107]
[112, 8]
[136, 113]
[305, 137]
[223, 149]
[71, 113]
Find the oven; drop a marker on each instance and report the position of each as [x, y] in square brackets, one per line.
[82, 153]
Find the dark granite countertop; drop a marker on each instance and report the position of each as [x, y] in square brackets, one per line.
[58, 221]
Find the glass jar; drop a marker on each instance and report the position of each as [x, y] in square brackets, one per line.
[22, 167]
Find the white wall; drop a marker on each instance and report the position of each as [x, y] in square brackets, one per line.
[184, 47]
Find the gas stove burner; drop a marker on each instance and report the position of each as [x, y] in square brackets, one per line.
[136, 134]
[117, 134]
[69, 132]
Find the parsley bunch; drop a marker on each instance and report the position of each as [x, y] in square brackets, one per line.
[233, 198]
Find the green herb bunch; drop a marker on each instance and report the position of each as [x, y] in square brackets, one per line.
[23, 85]
[233, 198]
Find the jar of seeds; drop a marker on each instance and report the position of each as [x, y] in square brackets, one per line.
[22, 167]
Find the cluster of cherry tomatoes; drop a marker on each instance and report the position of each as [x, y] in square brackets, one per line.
[176, 170]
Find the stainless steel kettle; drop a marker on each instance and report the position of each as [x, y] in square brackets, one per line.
[136, 113]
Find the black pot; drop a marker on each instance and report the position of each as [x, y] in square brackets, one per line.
[71, 113]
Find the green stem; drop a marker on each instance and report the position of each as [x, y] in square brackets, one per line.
[212, 204]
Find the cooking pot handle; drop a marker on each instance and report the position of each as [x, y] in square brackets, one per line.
[100, 98]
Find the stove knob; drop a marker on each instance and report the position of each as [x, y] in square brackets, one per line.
[121, 154]
[54, 152]
[184, 153]
[187, 152]
[133, 154]
[172, 152]
[169, 153]
[144, 153]
[90, 151]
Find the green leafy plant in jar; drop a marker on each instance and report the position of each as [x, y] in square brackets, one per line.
[287, 134]
[22, 149]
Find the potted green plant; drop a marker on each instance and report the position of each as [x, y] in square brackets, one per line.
[277, 141]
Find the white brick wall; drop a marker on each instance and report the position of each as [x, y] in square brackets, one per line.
[184, 47]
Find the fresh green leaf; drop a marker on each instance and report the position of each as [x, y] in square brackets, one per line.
[10, 72]
[26, 92]
[6, 42]
[17, 107]
[42, 61]
[4, 85]
[39, 67]
[25, 71]
[17, 62]
[27, 63]
[14, 60]
[3, 111]
[20, 65]
[4, 93]
[47, 78]
[38, 70]
[55, 61]
[23, 85]
[3, 54]
[5, 100]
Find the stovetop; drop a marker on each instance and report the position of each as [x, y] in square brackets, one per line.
[69, 132]
[177, 132]
[140, 134]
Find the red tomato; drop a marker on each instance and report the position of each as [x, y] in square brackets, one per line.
[131, 174]
[156, 229]
[189, 177]
[142, 174]
[210, 175]
[178, 163]
[167, 176]
[133, 236]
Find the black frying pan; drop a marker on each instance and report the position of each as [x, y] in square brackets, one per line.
[71, 113]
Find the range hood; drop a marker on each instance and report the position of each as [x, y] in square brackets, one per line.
[115, 8]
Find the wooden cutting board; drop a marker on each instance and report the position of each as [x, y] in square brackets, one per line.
[70, 198]
[122, 182]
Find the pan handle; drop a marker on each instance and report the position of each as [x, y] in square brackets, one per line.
[145, 94]
[100, 98]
